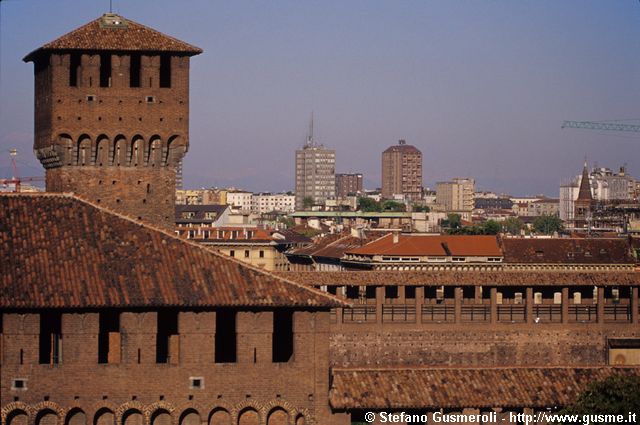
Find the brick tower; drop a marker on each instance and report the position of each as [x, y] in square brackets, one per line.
[112, 115]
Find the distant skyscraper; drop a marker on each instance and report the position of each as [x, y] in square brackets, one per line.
[315, 172]
[402, 171]
[348, 184]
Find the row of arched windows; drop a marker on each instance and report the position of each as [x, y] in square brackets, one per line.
[218, 416]
[137, 152]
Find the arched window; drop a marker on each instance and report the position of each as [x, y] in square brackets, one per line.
[190, 417]
[176, 149]
[47, 417]
[102, 151]
[17, 417]
[155, 152]
[137, 151]
[84, 151]
[220, 417]
[161, 417]
[278, 416]
[104, 417]
[76, 417]
[249, 416]
[120, 151]
[132, 417]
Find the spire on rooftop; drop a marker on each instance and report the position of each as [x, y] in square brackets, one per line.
[584, 193]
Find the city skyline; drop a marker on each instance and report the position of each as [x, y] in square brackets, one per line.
[480, 89]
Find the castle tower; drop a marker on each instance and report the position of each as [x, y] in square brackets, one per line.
[112, 115]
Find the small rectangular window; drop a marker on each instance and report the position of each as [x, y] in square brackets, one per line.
[74, 65]
[391, 292]
[109, 337]
[196, 383]
[282, 341]
[134, 71]
[232, 253]
[105, 70]
[167, 330]
[225, 338]
[19, 384]
[246, 253]
[165, 71]
[261, 254]
[50, 338]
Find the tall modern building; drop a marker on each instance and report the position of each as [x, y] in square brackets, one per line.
[112, 115]
[456, 196]
[315, 172]
[402, 171]
[348, 184]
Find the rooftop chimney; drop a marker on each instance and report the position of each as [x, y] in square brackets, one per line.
[396, 237]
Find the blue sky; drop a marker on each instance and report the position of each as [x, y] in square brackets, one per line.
[480, 87]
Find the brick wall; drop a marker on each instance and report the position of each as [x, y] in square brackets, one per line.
[272, 390]
[477, 345]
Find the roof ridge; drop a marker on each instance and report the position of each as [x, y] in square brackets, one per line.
[200, 246]
[453, 367]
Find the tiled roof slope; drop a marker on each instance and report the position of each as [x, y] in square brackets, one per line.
[567, 251]
[128, 36]
[335, 245]
[462, 278]
[461, 388]
[57, 250]
[436, 245]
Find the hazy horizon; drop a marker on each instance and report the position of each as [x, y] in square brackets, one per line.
[481, 88]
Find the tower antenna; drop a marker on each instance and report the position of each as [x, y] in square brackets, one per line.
[110, 6]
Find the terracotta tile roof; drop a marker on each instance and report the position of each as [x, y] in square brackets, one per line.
[535, 387]
[199, 213]
[127, 36]
[335, 245]
[319, 242]
[567, 251]
[57, 250]
[290, 236]
[458, 278]
[434, 245]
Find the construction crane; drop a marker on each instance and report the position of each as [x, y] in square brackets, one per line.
[16, 180]
[595, 125]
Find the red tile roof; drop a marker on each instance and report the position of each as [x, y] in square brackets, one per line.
[535, 387]
[128, 36]
[462, 278]
[335, 245]
[433, 245]
[57, 250]
[567, 251]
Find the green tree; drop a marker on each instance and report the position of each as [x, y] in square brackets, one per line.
[368, 205]
[420, 208]
[490, 227]
[394, 206]
[615, 395]
[547, 224]
[512, 225]
[307, 202]
[453, 221]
